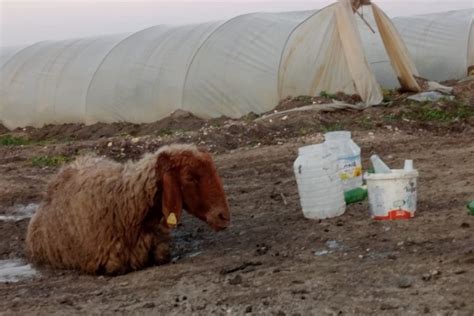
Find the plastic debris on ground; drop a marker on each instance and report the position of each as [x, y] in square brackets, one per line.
[321, 253]
[429, 96]
[331, 245]
[434, 86]
[356, 195]
[379, 165]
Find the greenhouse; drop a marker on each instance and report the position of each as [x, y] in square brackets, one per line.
[246, 64]
[441, 46]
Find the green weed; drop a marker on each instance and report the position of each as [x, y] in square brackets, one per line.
[304, 98]
[367, 123]
[9, 140]
[430, 113]
[331, 127]
[464, 111]
[387, 95]
[165, 132]
[49, 161]
[391, 118]
[305, 130]
[324, 94]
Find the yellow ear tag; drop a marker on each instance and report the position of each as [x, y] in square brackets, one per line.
[171, 220]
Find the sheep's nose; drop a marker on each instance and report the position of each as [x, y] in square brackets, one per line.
[223, 221]
[223, 216]
[219, 219]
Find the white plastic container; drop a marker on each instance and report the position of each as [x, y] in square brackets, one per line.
[379, 165]
[408, 166]
[319, 186]
[348, 158]
[392, 195]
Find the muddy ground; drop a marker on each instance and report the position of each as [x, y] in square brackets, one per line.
[271, 261]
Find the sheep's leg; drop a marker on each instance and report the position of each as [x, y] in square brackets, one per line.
[151, 247]
[140, 256]
[113, 266]
[161, 252]
[136, 256]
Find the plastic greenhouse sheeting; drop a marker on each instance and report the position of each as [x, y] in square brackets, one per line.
[8, 52]
[246, 64]
[441, 46]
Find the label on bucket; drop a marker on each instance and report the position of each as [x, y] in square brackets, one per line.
[395, 214]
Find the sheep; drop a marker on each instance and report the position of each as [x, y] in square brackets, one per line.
[104, 217]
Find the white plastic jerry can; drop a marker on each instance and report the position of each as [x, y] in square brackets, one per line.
[319, 184]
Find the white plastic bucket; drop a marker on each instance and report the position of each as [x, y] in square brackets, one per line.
[392, 195]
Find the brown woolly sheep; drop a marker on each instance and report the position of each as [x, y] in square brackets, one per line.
[103, 217]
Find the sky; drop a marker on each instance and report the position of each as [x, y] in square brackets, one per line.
[25, 22]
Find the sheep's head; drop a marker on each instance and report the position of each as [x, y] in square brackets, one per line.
[191, 182]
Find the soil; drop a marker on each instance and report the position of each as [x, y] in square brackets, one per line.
[271, 261]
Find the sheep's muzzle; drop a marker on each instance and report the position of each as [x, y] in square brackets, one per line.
[218, 219]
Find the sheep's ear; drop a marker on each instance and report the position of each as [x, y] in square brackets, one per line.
[164, 162]
[172, 204]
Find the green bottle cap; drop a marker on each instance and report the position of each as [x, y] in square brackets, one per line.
[470, 207]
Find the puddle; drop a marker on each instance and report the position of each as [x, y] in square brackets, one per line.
[186, 244]
[20, 212]
[15, 270]
[331, 245]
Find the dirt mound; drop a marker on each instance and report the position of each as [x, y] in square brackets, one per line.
[323, 98]
[179, 120]
[464, 90]
[3, 129]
